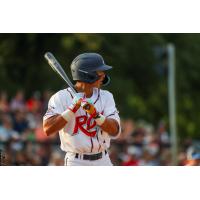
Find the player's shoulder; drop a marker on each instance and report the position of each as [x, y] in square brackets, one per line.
[105, 93]
[64, 93]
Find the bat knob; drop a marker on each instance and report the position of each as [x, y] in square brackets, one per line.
[87, 107]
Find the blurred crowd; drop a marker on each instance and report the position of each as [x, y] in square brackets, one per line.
[142, 144]
[23, 141]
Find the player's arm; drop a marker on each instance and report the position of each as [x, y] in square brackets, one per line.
[53, 124]
[110, 126]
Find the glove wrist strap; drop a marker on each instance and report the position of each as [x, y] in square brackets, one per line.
[100, 119]
[67, 115]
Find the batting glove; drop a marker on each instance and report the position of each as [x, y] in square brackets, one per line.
[75, 105]
[76, 102]
[89, 107]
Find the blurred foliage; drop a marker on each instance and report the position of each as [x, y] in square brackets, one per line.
[139, 83]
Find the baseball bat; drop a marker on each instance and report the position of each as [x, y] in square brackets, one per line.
[55, 65]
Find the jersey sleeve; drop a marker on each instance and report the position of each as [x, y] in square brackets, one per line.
[54, 107]
[110, 111]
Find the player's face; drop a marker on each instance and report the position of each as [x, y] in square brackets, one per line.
[99, 82]
[96, 84]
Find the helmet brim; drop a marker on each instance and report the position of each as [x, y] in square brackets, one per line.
[103, 68]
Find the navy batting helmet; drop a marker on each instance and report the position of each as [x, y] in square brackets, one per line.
[85, 66]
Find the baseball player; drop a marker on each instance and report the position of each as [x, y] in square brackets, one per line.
[87, 121]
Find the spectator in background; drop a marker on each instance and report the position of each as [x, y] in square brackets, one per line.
[148, 159]
[20, 159]
[18, 103]
[193, 155]
[128, 128]
[34, 108]
[150, 155]
[182, 158]
[40, 136]
[132, 155]
[6, 129]
[56, 159]
[20, 123]
[34, 103]
[165, 157]
[4, 105]
[114, 153]
[163, 135]
[31, 151]
[138, 137]
[44, 152]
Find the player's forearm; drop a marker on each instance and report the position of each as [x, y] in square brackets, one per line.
[53, 124]
[110, 126]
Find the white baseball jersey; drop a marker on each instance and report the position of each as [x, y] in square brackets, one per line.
[81, 134]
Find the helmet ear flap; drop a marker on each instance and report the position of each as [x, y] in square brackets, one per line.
[91, 77]
[106, 80]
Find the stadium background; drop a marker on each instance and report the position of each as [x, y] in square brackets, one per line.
[138, 82]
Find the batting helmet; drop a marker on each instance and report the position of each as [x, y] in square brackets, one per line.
[85, 66]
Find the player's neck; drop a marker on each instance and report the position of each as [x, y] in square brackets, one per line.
[85, 88]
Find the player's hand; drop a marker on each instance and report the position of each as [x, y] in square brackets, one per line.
[76, 102]
[89, 107]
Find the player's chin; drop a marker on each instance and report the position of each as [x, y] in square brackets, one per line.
[97, 84]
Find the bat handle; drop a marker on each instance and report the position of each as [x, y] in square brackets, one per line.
[86, 107]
